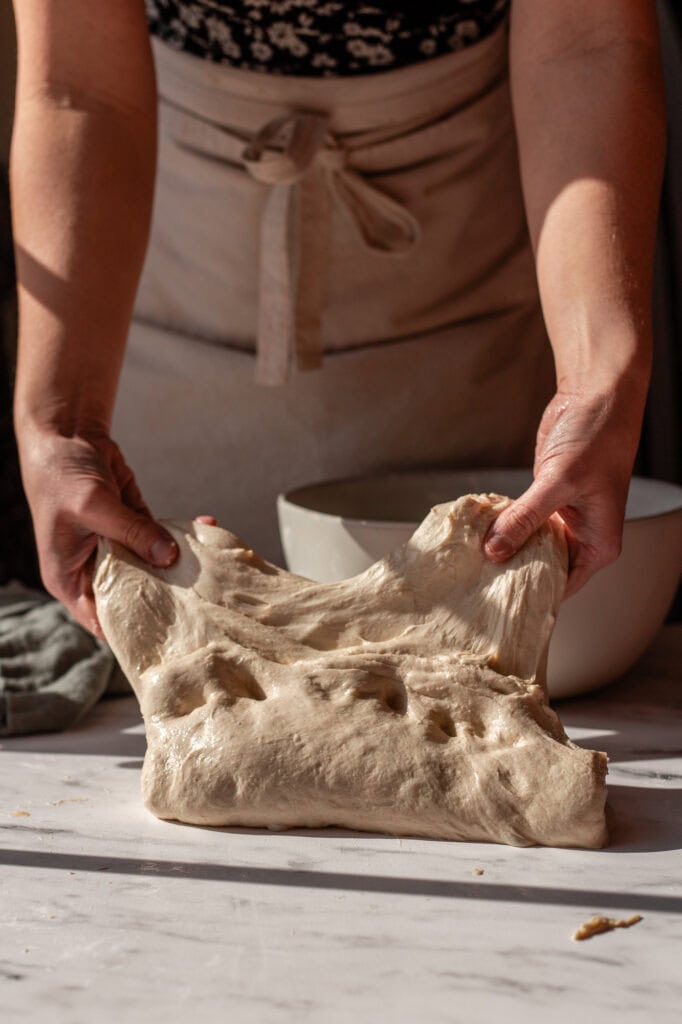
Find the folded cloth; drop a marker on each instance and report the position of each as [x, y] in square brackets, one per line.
[52, 671]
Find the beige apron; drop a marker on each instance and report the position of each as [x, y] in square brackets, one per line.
[373, 224]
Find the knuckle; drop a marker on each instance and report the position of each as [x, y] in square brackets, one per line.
[82, 502]
[51, 581]
[597, 556]
[522, 519]
[125, 476]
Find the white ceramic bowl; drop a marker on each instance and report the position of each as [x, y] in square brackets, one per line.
[338, 528]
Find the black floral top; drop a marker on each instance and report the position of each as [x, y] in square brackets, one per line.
[322, 37]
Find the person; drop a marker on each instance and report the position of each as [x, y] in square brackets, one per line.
[410, 169]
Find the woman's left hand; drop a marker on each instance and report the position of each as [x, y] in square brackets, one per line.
[584, 454]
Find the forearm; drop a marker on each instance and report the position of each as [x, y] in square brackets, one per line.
[589, 114]
[591, 127]
[82, 178]
[82, 173]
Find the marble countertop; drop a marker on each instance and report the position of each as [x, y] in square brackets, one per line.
[109, 915]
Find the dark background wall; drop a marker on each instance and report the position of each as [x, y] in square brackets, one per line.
[661, 449]
[660, 452]
[17, 555]
[7, 73]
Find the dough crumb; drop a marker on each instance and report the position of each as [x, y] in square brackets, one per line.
[477, 871]
[20, 814]
[598, 924]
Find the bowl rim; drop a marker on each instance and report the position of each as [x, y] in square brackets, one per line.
[289, 497]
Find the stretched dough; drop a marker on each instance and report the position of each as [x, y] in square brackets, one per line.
[409, 699]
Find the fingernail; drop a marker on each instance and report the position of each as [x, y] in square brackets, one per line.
[163, 552]
[498, 546]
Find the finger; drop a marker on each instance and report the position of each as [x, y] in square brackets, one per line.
[586, 560]
[512, 528]
[84, 612]
[74, 590]
[109, 517]
[78, 598]
[132, 497]
[209, 520]
[125, 479]
[577, 578]
[83, 609]
[583, 563]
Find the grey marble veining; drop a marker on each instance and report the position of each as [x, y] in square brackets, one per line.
[107, 914]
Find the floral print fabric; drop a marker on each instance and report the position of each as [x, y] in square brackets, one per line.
[322, 37]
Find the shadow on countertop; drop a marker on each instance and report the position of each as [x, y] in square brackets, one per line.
[346, 882]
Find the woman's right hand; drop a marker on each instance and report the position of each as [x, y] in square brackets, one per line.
[80, 488]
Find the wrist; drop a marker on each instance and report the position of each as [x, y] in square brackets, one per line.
[614, 366]
[66, 378]
[43, 441]
[41, 416]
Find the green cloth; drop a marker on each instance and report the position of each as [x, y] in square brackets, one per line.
[52, 671]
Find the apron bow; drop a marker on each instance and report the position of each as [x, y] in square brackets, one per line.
[307, 172]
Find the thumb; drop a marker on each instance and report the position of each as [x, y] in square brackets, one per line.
[512, 528]
[135, 530]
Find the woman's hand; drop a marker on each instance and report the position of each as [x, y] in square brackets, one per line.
[585, 450]
[80, 488]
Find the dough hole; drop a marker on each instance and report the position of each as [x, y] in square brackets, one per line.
[440, 726]
[505, 780]
[233, 681]
[390, 693]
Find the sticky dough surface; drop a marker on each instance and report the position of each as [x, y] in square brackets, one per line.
[409, 699]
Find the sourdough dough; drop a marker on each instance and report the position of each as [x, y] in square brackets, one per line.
[409, 699]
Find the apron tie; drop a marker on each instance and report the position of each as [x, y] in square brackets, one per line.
[307, 170]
